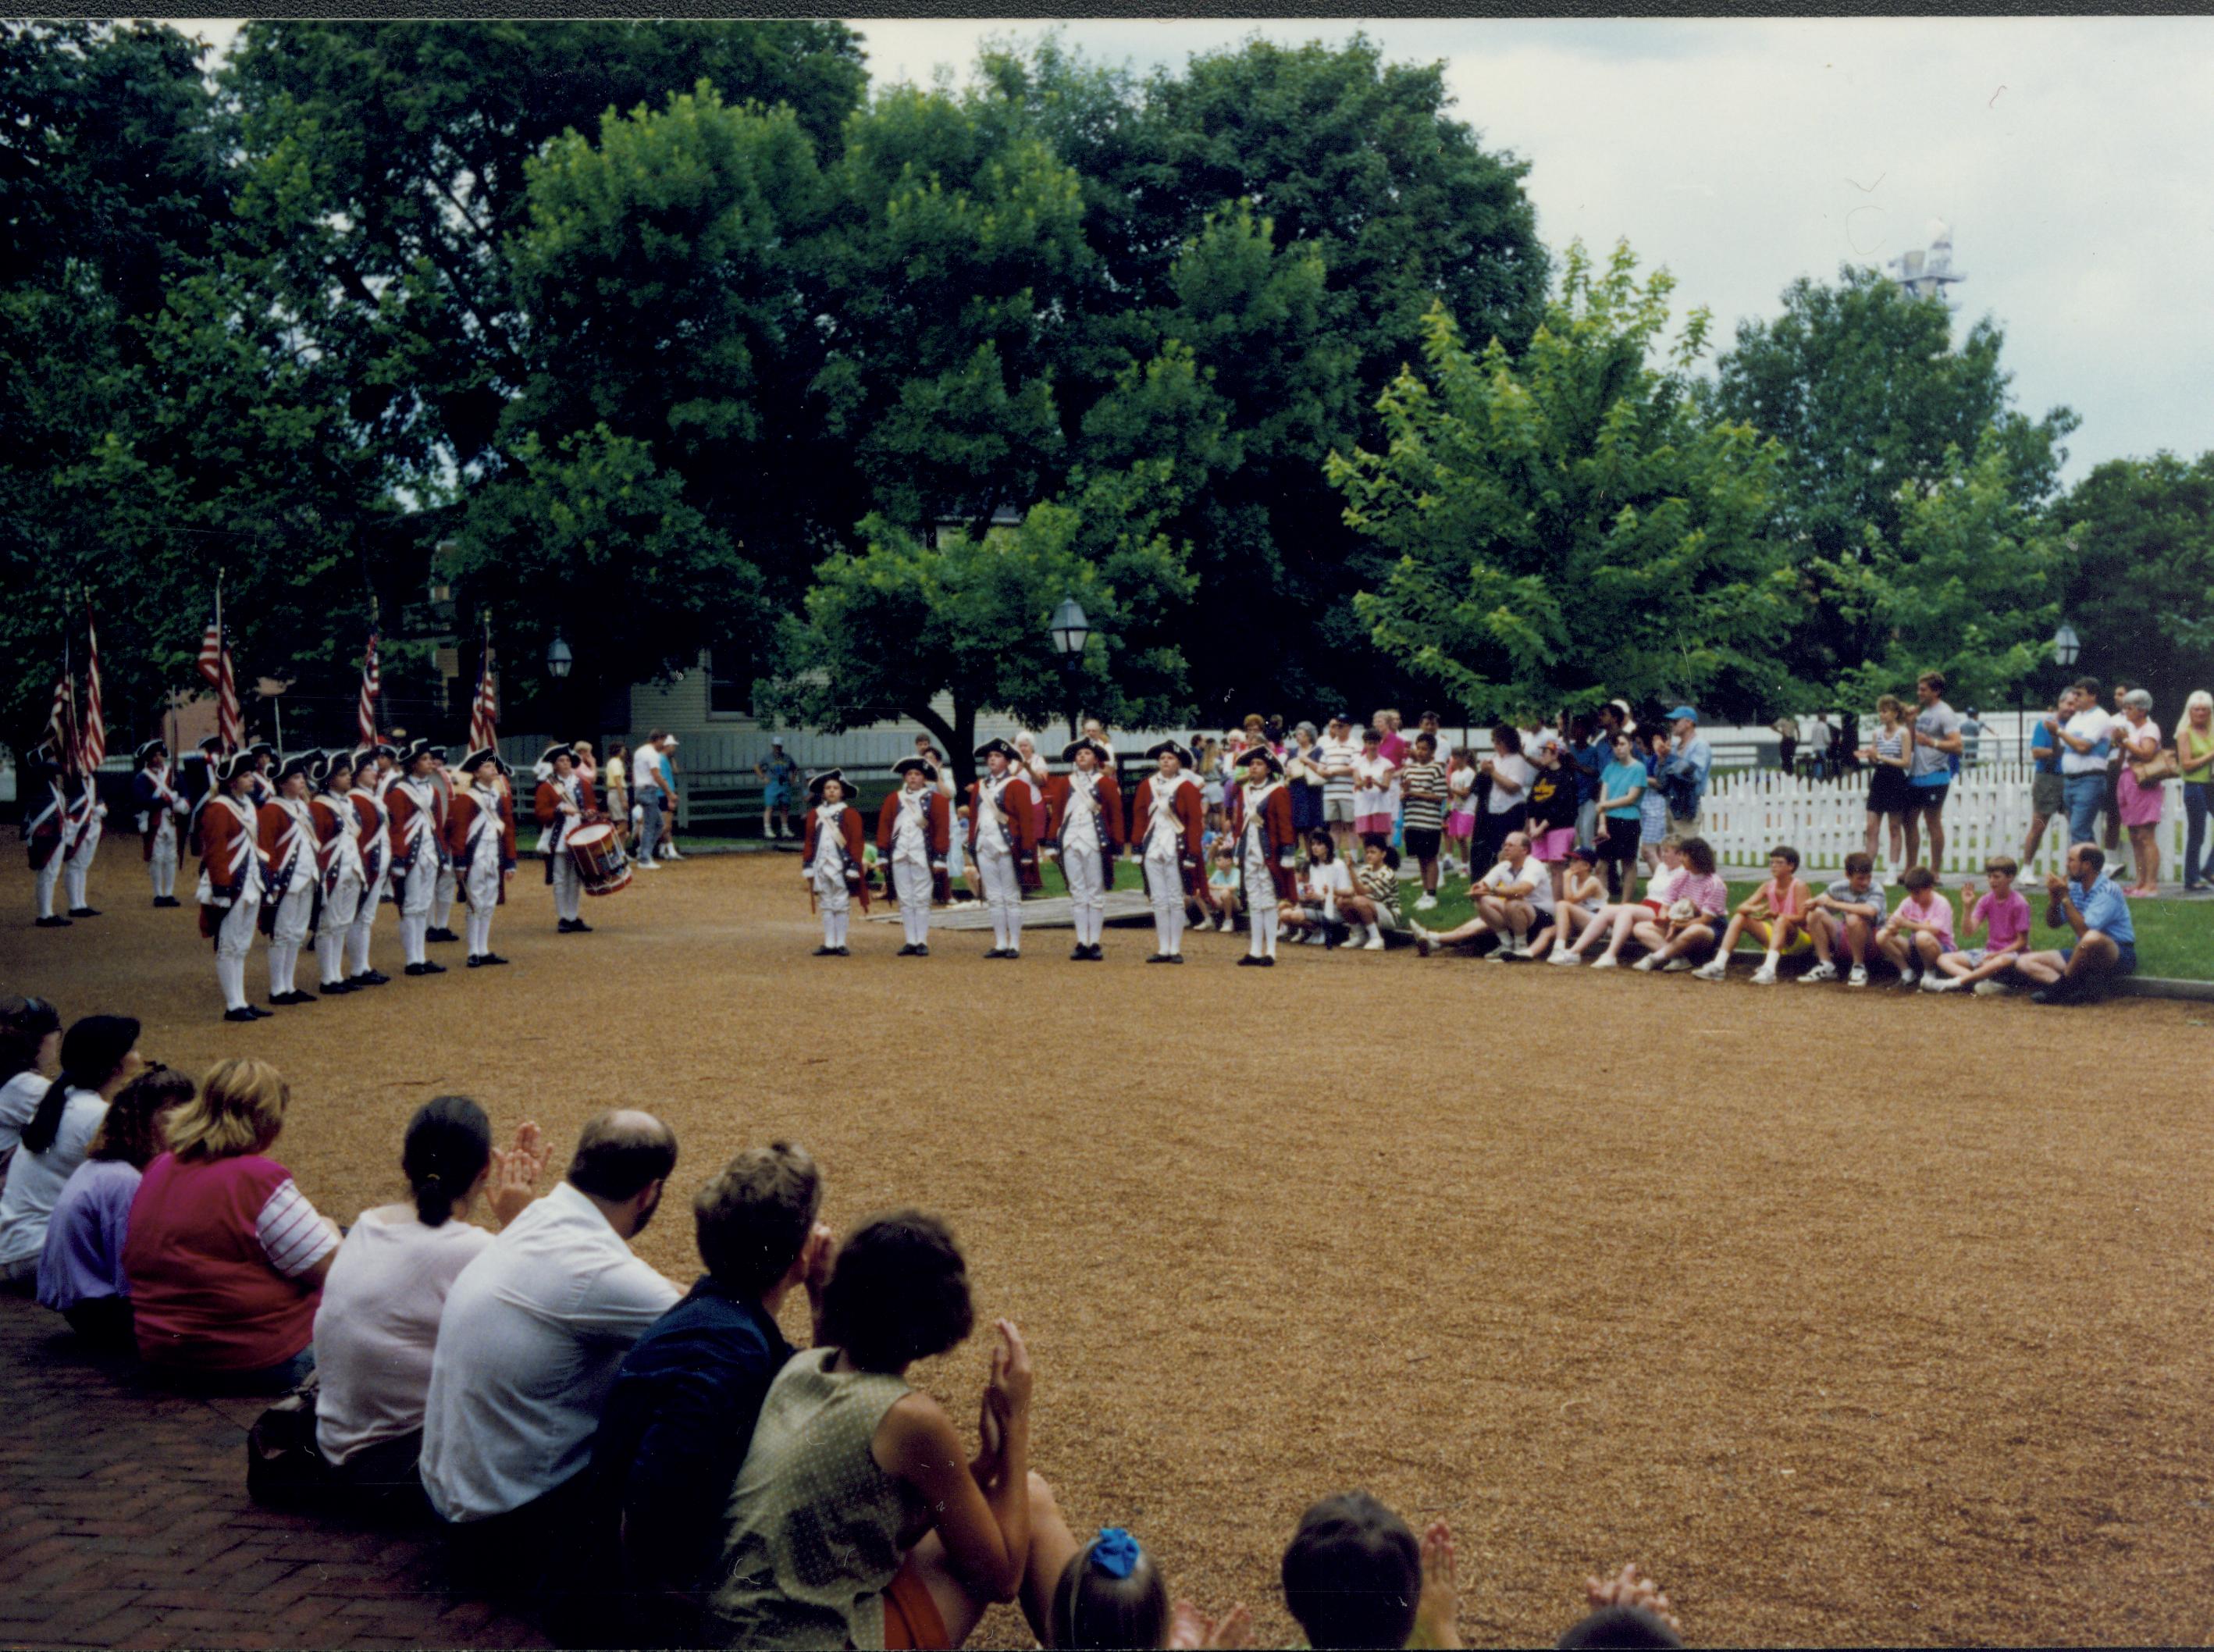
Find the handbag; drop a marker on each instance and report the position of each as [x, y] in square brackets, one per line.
[283, 1465]
[2153, 770]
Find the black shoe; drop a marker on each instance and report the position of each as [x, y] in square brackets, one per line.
[1249, 959]
[166, 900]
[826, 951]
[492, 958]
[921, 951]
[1159, 957]
[562, 927]
[368, 978]
[907, 951]
[1267, 961]
[440, 934]
[427, 969]
[84, 912]
[259, 1014]
[240, 1015]
[336, 989]
[475, 963]
[295, 996]
[1079, 953]
[2056, 994]
[1173, 957]
[578, 927]
[53, 923]
[845, 952]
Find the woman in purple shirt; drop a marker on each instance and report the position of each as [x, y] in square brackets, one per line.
[81, 1268]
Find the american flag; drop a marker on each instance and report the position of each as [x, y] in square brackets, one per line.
[95, 743]
[484, 713]
[215, 666]
[61, 721]
[365, 708]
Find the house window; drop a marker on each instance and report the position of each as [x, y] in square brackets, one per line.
[728, 696]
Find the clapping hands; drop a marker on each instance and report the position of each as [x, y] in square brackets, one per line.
[1627, 1588]
[1192, 1630]
[515, 1173]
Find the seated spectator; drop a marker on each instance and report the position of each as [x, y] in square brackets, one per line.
[1221, 851]
[532, 1331]
[1618, 923]
[387, 1286]
[1515, 898]
[1324, 884]
[681, 1414]
[1630, 1613]
[100, 1055]
[844, 1445]
[1354, 1576]
[1920, 931]
[1693, 920]
[225, 1256]
[1374, 903]
[2088, 902]
[1108, 1592]
[81, 1269]
[1776, 913]
[30, 1051]
[2001, 916]
[1844, 918]
[1583, 898]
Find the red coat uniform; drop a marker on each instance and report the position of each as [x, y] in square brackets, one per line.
[1279, 837]
[230, 853]
[545, 804]
[1018, 804]
[460, 821]
[850, 832]
[376, 842]
[1057, 793]
[936, 835]
[1190, 817]
[44, 812]
[399, 800]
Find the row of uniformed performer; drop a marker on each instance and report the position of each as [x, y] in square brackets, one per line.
[62, 823]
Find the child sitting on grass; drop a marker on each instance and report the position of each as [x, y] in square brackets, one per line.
[1222, 885]
[1374, 903]
[1776, 913]
[2002, 916]
[1921, 929]
[1617, 921]
[1845, 917]
[1693, 920]
[1355, 1575]
[1326, 881]
[1583, 898]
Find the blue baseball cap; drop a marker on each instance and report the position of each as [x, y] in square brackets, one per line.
[1683, 714]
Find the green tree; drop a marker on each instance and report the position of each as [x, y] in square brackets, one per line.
[2136, 578]
[1570, 525]
[1862, 384]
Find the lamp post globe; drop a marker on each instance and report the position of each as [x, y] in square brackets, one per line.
[559, 659]
[1069, 630]
[2067, 647]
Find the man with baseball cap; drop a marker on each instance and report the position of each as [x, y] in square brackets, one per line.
[1683, 778]
[777, 772]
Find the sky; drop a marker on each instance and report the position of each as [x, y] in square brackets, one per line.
[2069, 155]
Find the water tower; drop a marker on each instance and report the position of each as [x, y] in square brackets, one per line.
[1927, 273]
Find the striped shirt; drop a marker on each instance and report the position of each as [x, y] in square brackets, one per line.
[1423, 814]
[1381, 885]
[293, 1236]
[1704, 890]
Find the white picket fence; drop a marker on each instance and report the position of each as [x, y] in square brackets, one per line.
[1748, 811]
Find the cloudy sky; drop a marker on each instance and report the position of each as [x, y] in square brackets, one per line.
[2069, 155]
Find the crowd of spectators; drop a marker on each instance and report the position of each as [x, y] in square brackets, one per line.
[639, 1464]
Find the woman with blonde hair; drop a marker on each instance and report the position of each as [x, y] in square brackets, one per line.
[225, 1256]
[2138, 737]
[2194, 759]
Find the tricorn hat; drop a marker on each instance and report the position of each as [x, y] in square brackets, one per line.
[1253, 755]
[300, 762]
[558, 748]
[238, 763]
[212, 744]
[1182, 753]
[407, 754]
[149, 749]
[1000, 746]
[262, 749]
[814, 786]
[1087, 744]
[907, 766]
[482, 755]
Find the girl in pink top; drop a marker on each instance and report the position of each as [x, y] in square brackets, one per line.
[1776, 913]
[1920, 931]
[1693, 920]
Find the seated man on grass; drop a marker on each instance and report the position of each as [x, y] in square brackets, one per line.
[1512, 899]
[2091, 903]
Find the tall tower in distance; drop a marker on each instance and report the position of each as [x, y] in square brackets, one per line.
[1929, 274]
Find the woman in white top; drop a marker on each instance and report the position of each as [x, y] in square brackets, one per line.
[378, 1324]
[30, 1045]
[1325, 882]
[100, 1055]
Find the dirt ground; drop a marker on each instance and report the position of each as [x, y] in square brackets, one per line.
[1851, 1318]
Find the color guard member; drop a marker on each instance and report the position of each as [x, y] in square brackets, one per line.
[480, 841]
[914, 828]
[1268, 851]
[160, 807]
[46, 815]
[1166, 823]
[413, 802]
[1083, 823]
[1002, 833]
[231, 878]
[564, 798]
[339, 871]
[289, 855]
[831, 860]
[376, 840]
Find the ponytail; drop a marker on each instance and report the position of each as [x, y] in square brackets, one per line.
[91, 1051]
[448, 1145]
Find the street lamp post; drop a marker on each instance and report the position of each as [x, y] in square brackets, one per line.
[2067, 649]
[1070, 630]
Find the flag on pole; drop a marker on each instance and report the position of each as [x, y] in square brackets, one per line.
[365, 708]
[61, 721]
[484, 713]
[215, 666]
[95, 741]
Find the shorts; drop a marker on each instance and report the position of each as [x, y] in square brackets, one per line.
[1977, 957]
[911, 1617]
[1889, 793]
[1337, 810]
[1801, 941]
[2126, 965]
[2048, 794]
[776, 796]
[1421, 842]
[1380, 825]
[1554, 845]
[1460, 824]
[1928, 796]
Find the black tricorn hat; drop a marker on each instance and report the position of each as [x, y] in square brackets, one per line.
[300, 762]
[238, 763]
[1068, 752]
[1260, 753]
[558, 748]
[481, 755]
[149, 749]
[814, 786]
[1183, 753]
[1001, 747]
[907, 766]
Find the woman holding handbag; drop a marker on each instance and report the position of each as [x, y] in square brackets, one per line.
[2146, 769]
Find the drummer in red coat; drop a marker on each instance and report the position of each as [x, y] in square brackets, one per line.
[1084, 828]
[563, 800]
[481, 840]
[1268, 851]
[1167, 821]
[831, 860]
[914, 830]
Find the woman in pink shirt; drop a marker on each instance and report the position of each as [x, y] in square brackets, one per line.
[1920, 931]
[225, 1256]
[1693, 920]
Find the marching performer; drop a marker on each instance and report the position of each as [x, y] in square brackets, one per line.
[161, 806]
[1166, 821]
[45, 812]
[480, 841]
[1084, 821]
[231, 887]
[831, 859]
[209, 756]
[264, 759]
[288, 900]
[80, 831]
[1002, 833]
[1268, 851]
[375, 841]
[448, 885]
[914, 828]
[339, 870]
[413, 802]
[565, 797]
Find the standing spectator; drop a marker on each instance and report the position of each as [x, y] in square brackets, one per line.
[650, 776]
[81, 1273]
[1093, 730]
[2048, 795]
[1423, 784]
[1338, 754]
[532, 1331]
[1429, 725]
[1552, 819]
[1303, 773]
[2084, 743]
[1651, 807]
[1507, 803]
[2123, 689]
[2106, 947]
[225, 1256]
[1971, 738]
[1622, 785]
[1215, 782]
[1844, 742]
[1786, 743]
[1376, 798]
[1920, 931]
[2002, 917]
[1392, 746]
[618, 790]
[669, 849]
[1936, 759]
[2194, 757]
[1845, 917]
[30, 1047]
[1693, 921]
[100, 1055]
[1682, 777]
[1589, 753]
[1461, 807]
[386, 1292]
[1818, 743]
[1891, 797]
[2139, 738]
[1374, 903]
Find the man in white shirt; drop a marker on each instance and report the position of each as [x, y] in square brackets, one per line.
[528, 1344]
[2083, 741]
[649, 782]
[1513, 898]
[1335, 754]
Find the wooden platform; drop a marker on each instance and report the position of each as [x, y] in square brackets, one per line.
[1054, 912]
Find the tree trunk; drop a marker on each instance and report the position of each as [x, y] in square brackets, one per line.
[957, 737]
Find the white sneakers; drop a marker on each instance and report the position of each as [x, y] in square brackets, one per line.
[1765, 976]
[1425, 940]
[1934, 982]
[1990, 988]
[1645, 964]
[1676, 966]
[1373, 944]
[1712, 970]
[1563, 955]
[1859, 977]
[1427, 904]
[1606, 961]
[1819, 972]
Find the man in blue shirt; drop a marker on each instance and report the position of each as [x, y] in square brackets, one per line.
[1683, 778]
[2048, 796]
[2091, 903]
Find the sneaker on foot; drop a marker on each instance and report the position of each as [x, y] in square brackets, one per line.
[1934, 982]
[1427, 904]
[1644, 965]
[1765, 976]
[1564, 957]
[1909, 980]
[1606, 961]
[1990, 988]
[1425, 941]
[1713, 969]
[1676, 966]
[1819, 972]
[1859, 977]
[1375, 944]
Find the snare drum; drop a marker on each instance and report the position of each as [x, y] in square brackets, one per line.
[601, 866]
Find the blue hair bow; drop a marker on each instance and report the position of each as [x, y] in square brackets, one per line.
[1115, 1551]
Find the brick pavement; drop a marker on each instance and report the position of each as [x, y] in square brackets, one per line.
[125, 1522]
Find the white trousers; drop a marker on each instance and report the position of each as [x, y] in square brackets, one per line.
[364, 919]
[1165, 887]
[80, 867]
[568, 890]
[49, 876]
[911, 883]
[483, 890]
[1263, 917]
[1003, 895]
[341, 912]
[442, 897]
[287, 934]
[232, 942]
[162, 867]
[1087, 892]
[415, 893]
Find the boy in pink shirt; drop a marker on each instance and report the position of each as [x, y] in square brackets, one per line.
[1920, 931]
[2005, 914]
